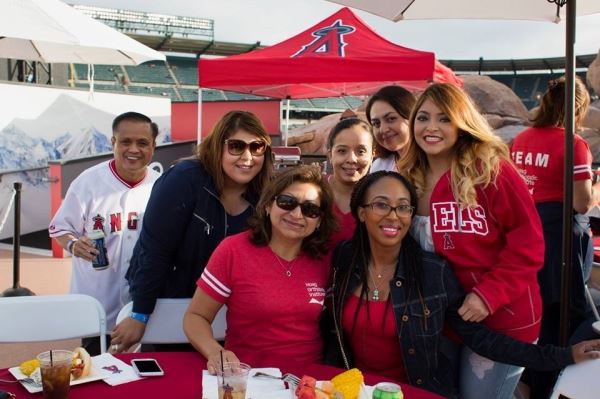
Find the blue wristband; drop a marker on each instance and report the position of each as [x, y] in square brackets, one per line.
[141, 317]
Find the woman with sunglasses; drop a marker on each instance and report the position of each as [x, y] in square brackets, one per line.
[388, 111]
[272, 278]
[350, 152]
[192, 208]
[389, 301]
[475, 211]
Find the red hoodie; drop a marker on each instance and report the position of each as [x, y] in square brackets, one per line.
[495, 249]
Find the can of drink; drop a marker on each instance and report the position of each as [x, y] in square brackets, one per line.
[100, 262]
[387, 390]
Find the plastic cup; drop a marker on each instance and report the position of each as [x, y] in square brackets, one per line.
[232, 381]
[56, 373]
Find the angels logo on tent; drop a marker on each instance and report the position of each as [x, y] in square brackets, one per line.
[329, 39]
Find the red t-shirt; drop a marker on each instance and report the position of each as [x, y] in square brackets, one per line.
[346, 226]
[375, 344]
[539, 154]
[267, 311]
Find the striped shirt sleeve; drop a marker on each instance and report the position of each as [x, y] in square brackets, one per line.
[215, 280]
[582, 160]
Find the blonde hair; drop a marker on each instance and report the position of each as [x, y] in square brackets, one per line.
[478, 152]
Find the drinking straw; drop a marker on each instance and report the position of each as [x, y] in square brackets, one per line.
[222, 368]
[50, 357]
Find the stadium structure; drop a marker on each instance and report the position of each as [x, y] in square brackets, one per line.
[184, 39]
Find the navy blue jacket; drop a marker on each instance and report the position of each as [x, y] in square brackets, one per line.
[430, 358]
[183, 224]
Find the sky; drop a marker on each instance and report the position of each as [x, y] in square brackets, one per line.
[271, 21]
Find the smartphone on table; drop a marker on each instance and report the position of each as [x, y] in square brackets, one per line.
[147, 367]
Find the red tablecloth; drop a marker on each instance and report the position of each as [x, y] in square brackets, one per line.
[596, 248]
[183, 379]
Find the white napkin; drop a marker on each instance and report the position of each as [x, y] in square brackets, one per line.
[119, 372]
[258, 388]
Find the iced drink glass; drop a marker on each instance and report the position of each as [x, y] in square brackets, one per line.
[56, 373]
[232, 381]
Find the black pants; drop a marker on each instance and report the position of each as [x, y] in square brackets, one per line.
[549, 278]
[92, 344]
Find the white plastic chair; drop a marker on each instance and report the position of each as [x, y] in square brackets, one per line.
[166, 322]
[578, 381]
[51, 318]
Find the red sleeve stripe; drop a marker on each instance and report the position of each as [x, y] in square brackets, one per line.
[215, 284]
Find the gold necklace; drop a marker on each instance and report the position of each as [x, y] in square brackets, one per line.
[288, 269]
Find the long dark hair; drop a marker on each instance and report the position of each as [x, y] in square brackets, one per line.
[398, 98]
[410, 253]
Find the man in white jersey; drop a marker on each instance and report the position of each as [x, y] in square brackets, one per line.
[110, 198]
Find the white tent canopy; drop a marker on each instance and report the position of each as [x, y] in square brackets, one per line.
[52, 31]
[530, 10]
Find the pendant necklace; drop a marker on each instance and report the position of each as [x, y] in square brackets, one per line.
[290, 266]
[375, 295]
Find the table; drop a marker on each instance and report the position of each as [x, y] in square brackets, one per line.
[183, 379]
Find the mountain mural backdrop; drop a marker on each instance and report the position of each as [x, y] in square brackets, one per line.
[68, 128]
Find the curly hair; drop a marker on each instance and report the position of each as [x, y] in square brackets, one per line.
[551, 112]
[316, 244]
[478, 152]
[210, 151]
[398, 98]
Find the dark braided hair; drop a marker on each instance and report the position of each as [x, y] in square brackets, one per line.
[410, 254]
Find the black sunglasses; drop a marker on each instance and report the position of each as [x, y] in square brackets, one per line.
[238, 147]
[289, 203]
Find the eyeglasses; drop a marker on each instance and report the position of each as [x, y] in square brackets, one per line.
[383, 209]
[238, 147]
[289, 203]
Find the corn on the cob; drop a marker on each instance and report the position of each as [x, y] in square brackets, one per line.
[29, 366]
[348, 383]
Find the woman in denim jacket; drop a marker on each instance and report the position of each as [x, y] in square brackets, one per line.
[389, 301]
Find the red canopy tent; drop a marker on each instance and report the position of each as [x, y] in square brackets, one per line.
[340, 55]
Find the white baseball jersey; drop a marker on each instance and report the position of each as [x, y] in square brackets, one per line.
[98, 199]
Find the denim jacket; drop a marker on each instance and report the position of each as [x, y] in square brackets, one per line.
[430, 358]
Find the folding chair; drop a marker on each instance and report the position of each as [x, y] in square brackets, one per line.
[166, 323]
[51, 318]
[578, 381]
